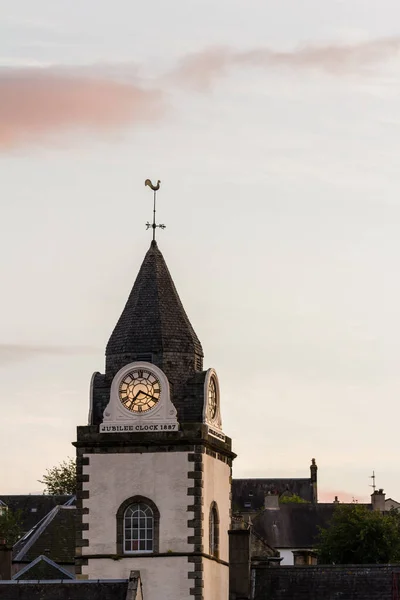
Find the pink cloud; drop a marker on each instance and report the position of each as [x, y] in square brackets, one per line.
[200, 70]
[38, 102]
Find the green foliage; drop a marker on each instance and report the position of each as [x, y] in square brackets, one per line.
[357, 535]
[60, 479]
[10, 526]
[293, 498]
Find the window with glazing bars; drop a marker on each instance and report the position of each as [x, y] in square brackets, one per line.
[138, 528]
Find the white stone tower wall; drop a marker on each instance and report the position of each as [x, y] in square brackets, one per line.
[113, 478]
[216, 489]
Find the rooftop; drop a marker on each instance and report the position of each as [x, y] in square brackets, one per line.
[153, 320]
[53, 536]
[249, 494]
[293, 525]
[33, 507]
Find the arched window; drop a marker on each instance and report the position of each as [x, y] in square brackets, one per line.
[138, 523]
[138, 528]
[214, 530]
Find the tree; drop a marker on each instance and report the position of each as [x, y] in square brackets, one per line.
[61, 479]
[292, 498]
[357, 535]
[10, 526]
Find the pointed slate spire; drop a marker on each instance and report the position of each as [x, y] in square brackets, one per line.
[154, 326]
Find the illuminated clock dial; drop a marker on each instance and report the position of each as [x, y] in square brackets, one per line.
[212, 399]
[139, 391]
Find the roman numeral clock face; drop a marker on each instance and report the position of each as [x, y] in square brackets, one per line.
[212, 399]
[139, 391]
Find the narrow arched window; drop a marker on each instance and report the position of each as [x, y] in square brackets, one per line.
[214, 530]
[138, 528]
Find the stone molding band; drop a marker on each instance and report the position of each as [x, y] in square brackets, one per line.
[156, 555]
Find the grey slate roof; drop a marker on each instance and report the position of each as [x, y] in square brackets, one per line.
[293, 525]
[53, 537]
[73, 589]
[64, 590]
[43, 568]
[249, 494]
[33, 507]
[153, 320]
[154, 327]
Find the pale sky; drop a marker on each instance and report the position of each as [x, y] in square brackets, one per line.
[274, 128]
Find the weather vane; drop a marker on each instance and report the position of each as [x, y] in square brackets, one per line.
[373, 480]
[154, 225]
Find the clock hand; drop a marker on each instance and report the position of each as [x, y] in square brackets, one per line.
[152, 397]
[145, 394]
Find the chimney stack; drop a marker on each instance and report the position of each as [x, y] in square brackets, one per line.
[313, 473]
[271, 501]
[5, 561]
[378, 500]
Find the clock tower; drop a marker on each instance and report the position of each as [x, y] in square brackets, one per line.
[153, 463]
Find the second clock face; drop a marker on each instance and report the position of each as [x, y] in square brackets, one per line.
[139, 391]
[212, 399]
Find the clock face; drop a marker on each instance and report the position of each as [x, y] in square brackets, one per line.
[212, 399]
[139, 391]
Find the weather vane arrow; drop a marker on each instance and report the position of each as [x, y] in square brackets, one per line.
[153, 225]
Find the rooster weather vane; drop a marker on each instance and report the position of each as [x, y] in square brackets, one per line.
[153, 225]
